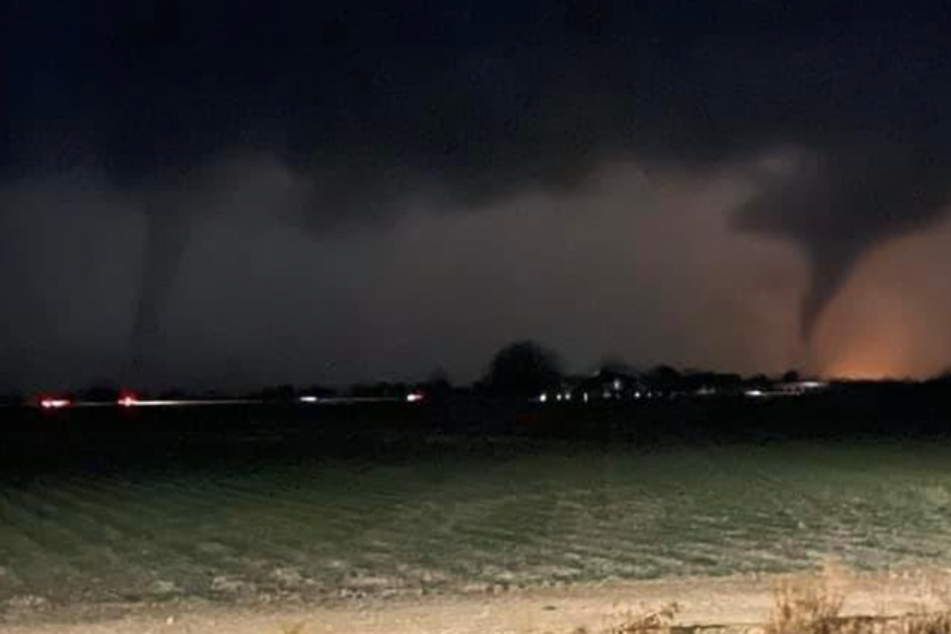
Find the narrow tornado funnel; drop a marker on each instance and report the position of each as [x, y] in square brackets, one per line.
[838, 205]
[166, 238]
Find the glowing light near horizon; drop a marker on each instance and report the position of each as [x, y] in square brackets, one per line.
[191, 402]
[859, 369]
[128, 400]
[309, 399]
[414, 397]
[874, 328]
[54, 403]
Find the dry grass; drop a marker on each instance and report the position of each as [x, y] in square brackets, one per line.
[818, 610]
[806, 611]
[936, 623]
[659, 621]
[803, 609]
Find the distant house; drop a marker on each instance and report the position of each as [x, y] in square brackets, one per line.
[795, 388]
[608, 385]
[786, 388]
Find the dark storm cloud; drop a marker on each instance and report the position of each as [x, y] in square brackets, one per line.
[371, 104]
[476, 95]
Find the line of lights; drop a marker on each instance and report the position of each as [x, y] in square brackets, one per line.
[129, 400]
[55, 403]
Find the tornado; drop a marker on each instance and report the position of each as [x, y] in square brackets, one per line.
[839, 204]
[166, 239]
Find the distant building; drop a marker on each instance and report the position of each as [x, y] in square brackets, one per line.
[795, 388]
[787, 388]
[609, 386]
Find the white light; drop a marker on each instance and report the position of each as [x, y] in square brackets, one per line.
[558, 397]
[308, 399]
[754, 393]
[585, 397]
[128, 401]
[163, 403]
[637, 394]
[54, 403]
[618, 385]
[543, 397]
[414, 397]
[567, 396]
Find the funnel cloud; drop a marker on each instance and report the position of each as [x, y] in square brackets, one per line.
[838, 206]
[358, 114]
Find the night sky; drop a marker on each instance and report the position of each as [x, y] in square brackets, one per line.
[227, 194]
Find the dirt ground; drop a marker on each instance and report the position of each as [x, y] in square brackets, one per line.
[734, 604]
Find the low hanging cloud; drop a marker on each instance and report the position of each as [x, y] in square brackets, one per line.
[349, 113]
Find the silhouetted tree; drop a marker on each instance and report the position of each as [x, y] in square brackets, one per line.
[791, 376]
[277, 393]
[321, 391]
[380, 389]
[664, 378]
[759, 381]
[521, 369]
[436, 385]
[616, 366]
[12, 398]
[942, 379]
[100, 392]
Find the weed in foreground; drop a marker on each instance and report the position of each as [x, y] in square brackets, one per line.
[937, 623]
[806, 610]
[818, 611]
[657, 621]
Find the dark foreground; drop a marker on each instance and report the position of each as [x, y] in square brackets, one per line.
[318, 504]
[103, 438]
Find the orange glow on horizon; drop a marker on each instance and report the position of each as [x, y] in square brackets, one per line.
[890, 318]
[880, 354]
[863, 357]
[870, 330]
[856, 370]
